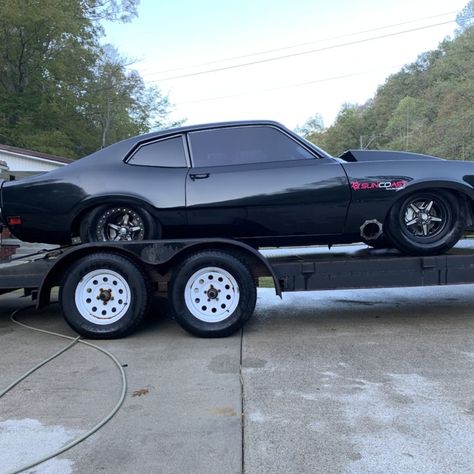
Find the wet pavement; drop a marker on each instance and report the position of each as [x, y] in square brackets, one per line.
[331, 382]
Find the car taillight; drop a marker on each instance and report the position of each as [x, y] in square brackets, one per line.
[14, 220]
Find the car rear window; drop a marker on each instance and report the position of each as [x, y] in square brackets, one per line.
[244, 145]
[168, 152]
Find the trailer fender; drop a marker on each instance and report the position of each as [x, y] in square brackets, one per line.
[257, 263]
[161, 254]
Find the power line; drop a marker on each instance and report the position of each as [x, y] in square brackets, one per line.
[259, 53]
[288, 86]
[301, 53]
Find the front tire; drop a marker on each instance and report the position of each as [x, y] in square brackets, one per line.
[104, 296]
[212, 294]
[427, 222]
[111, 223]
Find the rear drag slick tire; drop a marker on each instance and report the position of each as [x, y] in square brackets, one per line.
[427, 222]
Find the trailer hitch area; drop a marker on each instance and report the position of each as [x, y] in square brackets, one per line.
[371, 229]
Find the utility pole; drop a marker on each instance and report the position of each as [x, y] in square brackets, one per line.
[370, 139]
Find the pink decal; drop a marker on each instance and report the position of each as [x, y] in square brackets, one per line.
[388, 185]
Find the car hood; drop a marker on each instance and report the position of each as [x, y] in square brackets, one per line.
[352, 156]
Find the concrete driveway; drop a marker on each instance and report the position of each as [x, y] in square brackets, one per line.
[378, 381]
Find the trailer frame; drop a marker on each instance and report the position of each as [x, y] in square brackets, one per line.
[298, 269]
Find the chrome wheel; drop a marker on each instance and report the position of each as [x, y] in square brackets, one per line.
[425, 217]
[102, 296]
[120, 223]
[211, 294]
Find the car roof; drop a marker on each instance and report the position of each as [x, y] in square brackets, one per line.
[124, 147]
[205, 126]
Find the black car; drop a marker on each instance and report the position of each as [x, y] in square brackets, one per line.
[254, 181]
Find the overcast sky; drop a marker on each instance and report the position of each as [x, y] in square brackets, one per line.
[333, 57]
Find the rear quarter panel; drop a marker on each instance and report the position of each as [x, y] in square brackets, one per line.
[49, 203]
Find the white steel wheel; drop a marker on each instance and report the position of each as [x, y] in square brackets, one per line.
[212, 294]
[102, 296]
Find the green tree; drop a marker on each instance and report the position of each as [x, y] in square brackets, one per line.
[60, 91]
[119, 104]
[465, 18]
[348, 130]
[313, 125]
[427, 107]
[409, 125]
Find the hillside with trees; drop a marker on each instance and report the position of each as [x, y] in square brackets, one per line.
[62, 91]
[427, 107]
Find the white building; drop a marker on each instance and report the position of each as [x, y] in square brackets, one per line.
[16, 163]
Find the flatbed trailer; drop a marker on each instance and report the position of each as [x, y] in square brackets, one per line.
[105, 288]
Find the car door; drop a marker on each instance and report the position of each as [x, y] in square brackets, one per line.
[251, 181]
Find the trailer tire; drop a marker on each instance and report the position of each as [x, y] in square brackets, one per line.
[212, 294]
[104, 296]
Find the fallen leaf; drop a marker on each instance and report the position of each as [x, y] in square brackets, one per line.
[140, 392]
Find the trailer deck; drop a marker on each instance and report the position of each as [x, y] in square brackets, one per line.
[352, 267]
[305, 269]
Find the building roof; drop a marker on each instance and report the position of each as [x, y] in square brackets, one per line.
[33, 154]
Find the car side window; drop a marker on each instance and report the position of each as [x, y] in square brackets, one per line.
[244, 145]
[168, 152]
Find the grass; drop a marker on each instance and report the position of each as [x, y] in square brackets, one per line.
[266, 282]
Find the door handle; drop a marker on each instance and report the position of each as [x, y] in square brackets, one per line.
[194, 176]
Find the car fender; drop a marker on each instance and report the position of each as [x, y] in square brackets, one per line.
[420, 184]
[100, 199]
